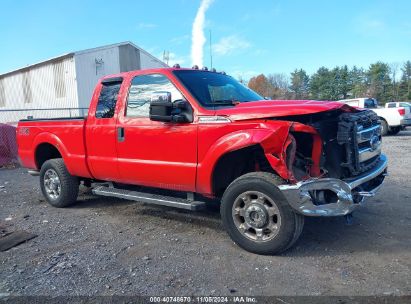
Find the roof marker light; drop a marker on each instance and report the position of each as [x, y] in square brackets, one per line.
[176, 66]
[195, 67]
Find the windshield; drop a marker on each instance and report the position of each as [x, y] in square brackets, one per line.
[212, 89]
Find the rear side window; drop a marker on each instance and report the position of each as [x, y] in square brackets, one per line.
[107, 100]
[370, 103]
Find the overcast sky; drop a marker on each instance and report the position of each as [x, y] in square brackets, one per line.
[248, 37]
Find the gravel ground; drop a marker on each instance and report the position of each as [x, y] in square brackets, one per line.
[115, 247]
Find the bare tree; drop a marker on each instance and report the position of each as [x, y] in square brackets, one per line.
[279, 85]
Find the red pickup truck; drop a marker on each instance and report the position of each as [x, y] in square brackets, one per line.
[188, 137]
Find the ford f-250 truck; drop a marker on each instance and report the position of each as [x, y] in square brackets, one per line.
[187, 137]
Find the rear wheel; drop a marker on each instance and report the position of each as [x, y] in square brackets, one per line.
[384, 128]
[58, 186]
[394, 130]
[257, 216]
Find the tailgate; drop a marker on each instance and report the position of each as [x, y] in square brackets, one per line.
[407, 113]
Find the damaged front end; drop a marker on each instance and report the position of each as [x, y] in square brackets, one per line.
[333, 161]
[334, 197]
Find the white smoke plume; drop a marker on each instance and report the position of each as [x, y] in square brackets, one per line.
[198, 39]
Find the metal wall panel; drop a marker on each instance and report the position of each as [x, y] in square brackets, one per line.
[67, 82]
[59, 83]
[148, 61]
[37, 86]
[26, 84]
[129, 58]
[90, 67]
[2, 95]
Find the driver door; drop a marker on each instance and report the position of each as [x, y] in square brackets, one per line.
[153, 153]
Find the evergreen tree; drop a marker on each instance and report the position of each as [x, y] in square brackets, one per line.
[342, 83]
[358, 82]
[338, 83]
[404, 90]
[300, 84]
[320, 84]
[379, 82]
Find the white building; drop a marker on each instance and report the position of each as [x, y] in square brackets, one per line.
[66, 82]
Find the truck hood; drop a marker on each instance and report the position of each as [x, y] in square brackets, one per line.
[278, 108]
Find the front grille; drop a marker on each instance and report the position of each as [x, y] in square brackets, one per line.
[369, 120]
[360, 134]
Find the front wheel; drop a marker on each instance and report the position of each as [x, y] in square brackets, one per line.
[257, 216]
[58, 186]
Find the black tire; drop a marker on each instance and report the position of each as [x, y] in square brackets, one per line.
[69, 185]
[384, 127]
[394, 130]
[299, 225]
[291, 223]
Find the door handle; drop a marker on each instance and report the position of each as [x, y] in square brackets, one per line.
[120, 134]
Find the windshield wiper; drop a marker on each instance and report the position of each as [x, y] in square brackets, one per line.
[225, 102]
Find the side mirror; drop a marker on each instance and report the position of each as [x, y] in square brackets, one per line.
[162, 109]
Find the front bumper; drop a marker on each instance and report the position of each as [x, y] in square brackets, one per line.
[335, 197]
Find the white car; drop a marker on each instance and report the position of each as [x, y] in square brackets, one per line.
[393, 119]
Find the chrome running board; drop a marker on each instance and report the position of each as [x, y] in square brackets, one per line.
[150, 198]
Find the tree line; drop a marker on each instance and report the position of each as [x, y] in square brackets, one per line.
[380, 81]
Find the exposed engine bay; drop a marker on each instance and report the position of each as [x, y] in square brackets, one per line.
[351, 144]
[335, 160]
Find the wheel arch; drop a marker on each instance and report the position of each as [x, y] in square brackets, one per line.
[239, 145]
[382, 118]
[44, 152]
[48, 146]
[233, 164]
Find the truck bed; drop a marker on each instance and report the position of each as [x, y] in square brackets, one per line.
[54, 119]
[67, 134]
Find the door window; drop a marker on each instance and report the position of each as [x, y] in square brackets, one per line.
[107, 100]
[141, 89]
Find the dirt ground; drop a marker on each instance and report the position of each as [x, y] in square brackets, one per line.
[106, 246]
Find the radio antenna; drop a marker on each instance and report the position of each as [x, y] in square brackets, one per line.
[211, 53]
